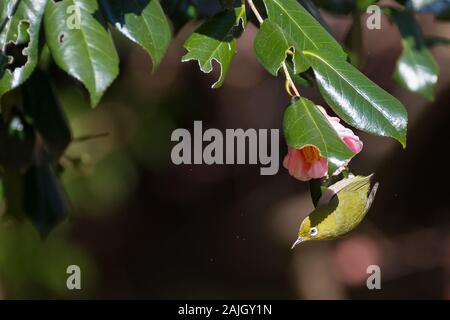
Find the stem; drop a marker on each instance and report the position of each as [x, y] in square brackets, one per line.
[289, 80]
[289, 83]
[255, 11]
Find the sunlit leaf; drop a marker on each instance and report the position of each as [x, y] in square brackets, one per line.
[290, 26]
[215, 40]
[356, 99]
[81, 44]
[416, 68]
[19, 41]
[142, 21]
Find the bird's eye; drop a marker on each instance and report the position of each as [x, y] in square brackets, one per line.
[313, 232]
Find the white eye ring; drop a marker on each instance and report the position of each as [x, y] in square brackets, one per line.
[313, 232]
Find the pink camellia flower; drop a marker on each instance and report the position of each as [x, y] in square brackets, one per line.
[306, 163]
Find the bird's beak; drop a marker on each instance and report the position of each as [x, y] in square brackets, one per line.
[297, 242]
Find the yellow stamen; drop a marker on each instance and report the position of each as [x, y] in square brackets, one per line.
[311, 154]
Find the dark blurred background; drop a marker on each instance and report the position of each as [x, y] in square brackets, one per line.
[142, 227]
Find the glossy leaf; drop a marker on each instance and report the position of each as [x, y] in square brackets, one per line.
[356, 99]
[86, 53]
[142, 21]
[215, 40]
[416, 68]
[19, 41]
[289, 25]
[305, 125]
[271, 46]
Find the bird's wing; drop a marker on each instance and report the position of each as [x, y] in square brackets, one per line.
[372, 194]
[348, 184]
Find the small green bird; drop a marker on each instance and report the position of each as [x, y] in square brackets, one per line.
[340, 209]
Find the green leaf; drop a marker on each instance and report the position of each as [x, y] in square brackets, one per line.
[19, 41]
[289, 25]
[271, 46]
[299, 79]
[42, 105]
[142, 21]
[215, 40]
[86, 53]
[416, 68]
[305, 125]
[356, 99]
[315, 12]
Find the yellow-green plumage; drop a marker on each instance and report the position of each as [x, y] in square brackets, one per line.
[340, 209]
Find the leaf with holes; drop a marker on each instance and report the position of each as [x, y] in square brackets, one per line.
[19, 41]
[215, 40]
[289, 25]
[356, 99]
[305, 125]
[81, 44]
[142, 21]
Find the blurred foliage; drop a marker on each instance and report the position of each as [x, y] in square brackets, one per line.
[100, 155]
[31, 267]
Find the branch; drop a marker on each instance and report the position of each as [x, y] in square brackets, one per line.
[289, 82]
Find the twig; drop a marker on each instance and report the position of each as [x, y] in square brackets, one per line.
[255, 11]
[290, 83]
[289, 80]
[90, 137]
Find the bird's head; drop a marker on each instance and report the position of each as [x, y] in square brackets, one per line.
[307, 231]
